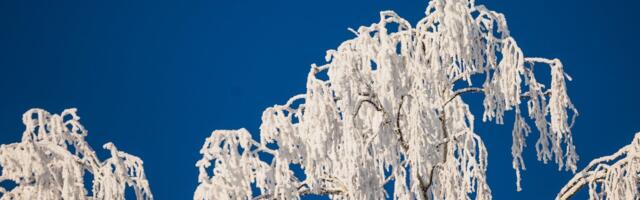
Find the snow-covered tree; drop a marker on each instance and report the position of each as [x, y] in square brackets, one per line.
[391, 112]
[53, 158]
[615, 176]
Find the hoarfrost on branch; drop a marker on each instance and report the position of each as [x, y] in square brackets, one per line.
[616, 176]
[53, 157]
[391, 112]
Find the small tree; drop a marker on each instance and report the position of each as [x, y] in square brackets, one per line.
[391, 112]
[51, 161]
[615, 176]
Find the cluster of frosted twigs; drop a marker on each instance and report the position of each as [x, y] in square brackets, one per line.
[51, 161]
[392, 112]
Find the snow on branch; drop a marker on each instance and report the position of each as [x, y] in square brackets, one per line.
[391, 112]
[616, 176]
[53, 157]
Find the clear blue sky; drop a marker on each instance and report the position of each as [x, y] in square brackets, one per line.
[156, 77]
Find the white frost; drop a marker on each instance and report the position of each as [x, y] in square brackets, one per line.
[391, 110]
[51, 160]
[616, 176]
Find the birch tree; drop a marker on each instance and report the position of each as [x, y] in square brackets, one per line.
[616, 176]
[53, 158]
[391, 113]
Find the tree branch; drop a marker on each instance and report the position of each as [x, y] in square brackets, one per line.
[583, 177]
[403, 143]
[462, 91]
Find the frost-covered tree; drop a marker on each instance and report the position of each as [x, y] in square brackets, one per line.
[53, 158]
[391, 112]
[616, 176]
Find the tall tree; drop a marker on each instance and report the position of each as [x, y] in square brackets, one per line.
[391, 112]
[53, 158]
[616, 176]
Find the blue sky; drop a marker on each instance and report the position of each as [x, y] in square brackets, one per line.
[156, 77]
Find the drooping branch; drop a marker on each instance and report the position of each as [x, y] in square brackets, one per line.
[51, 160]
[615, 176]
